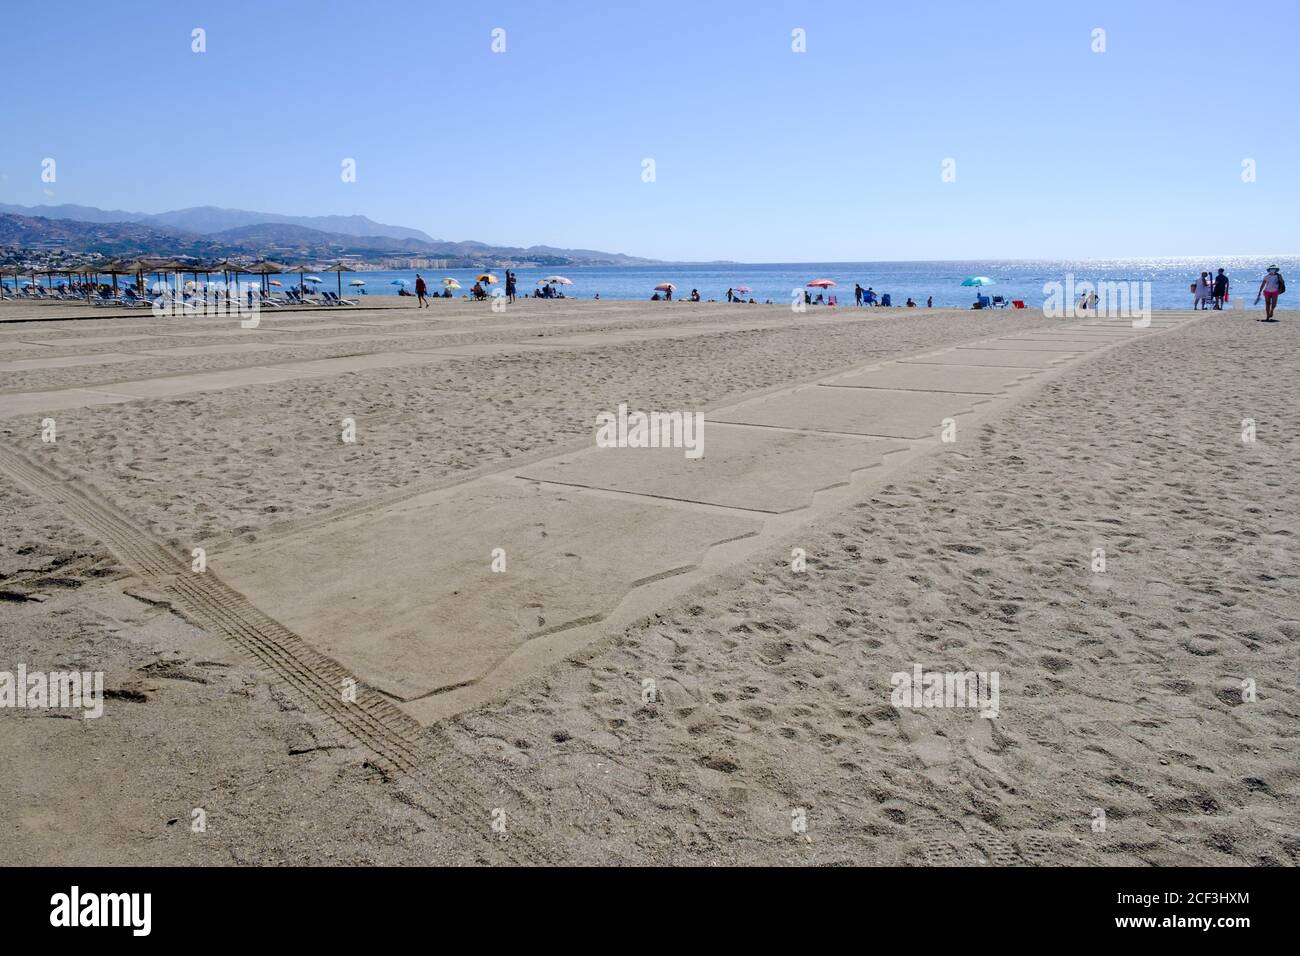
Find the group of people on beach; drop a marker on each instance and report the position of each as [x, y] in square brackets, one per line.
[1211, 292]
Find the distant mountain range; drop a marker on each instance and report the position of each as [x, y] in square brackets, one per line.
[208, 231]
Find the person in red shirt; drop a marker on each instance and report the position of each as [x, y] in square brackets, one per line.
[421, 290]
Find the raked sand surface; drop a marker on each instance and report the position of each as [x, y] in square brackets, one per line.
[1121, 691]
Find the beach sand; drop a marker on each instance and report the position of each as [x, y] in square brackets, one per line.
[1121, 691]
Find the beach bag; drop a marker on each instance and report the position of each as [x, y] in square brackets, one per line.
[1281, 285]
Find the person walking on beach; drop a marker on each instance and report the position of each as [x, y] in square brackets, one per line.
[1270, 287]
[510, 285]
[730, 295]
[1220, 290]
[421, 291]
[857, 294]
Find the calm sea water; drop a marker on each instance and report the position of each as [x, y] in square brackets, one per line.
[1014, 279]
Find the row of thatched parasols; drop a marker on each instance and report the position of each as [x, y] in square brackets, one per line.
[143, 267]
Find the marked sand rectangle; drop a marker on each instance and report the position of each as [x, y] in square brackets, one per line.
[624, 337]
[1008, 358]
[1031, 345]
[200, 382]
[230, 327]
[184, 350]
[38, 403]
[406, 598]
[361, 363]
[1063, 339]
[934, 378]
[854, 411]
[759, 469]
[88, 341]
[66, 361]
[502, 348]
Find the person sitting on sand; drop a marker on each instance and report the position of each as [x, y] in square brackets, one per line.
[910, 303]
[655, 298]
[477, 291]
[1270, 287]
[695, 295]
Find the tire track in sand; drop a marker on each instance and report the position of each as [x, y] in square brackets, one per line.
[394, 740]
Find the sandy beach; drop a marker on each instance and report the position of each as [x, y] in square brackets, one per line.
[1121, 690]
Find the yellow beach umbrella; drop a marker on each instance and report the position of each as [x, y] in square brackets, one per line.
[487, 277]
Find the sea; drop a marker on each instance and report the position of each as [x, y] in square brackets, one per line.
[1029, 280]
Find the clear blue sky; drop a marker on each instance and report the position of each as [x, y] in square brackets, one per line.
[762, 154]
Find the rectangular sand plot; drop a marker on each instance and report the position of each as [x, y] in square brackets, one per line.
[934, 378]
[854, 411]
[1006, 358]
[406, 597]
[1030, 345]
[754, 468]
[67, 361]
[39, 403]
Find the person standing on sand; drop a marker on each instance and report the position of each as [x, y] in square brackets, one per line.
[510, 285]
[1220, 290]
[929, 303]
[1270, 287]
[1201, 291]
[421, 290]
[857, 294]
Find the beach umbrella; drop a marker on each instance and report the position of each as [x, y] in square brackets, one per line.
[267, 268]
[741, 288]
[978, 281]
[226, 268]
[665, 287]
[557, 280]
[450, 283]
[356, 283]
[338, 269]
[821, 284]
[313, 279]
[487, 277]
[275, 282]
[300, 272]
[399, 282]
